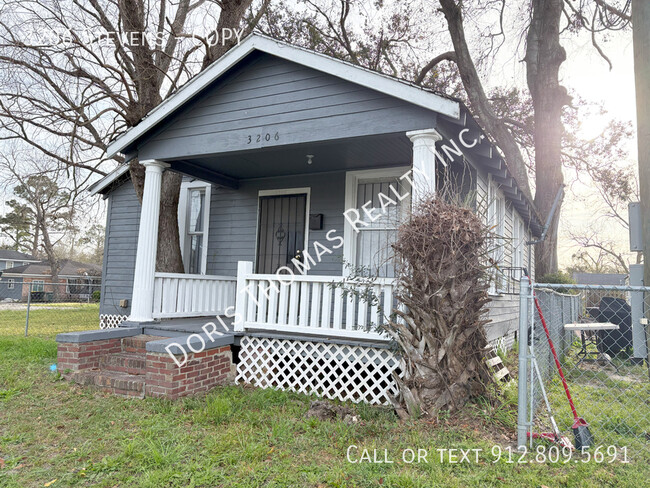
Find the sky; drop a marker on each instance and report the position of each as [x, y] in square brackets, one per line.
[586, 73]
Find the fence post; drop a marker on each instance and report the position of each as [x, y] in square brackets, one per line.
[29, 303]
[244, 268]
[522, 402]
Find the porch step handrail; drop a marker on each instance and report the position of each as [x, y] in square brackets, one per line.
[309, 304]
[192, 295]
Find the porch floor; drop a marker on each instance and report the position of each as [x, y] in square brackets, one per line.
[178, 327]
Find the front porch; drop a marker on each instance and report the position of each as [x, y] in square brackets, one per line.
[308, 305]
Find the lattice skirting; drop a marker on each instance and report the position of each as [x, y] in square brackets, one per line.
[504, 343]
[336, 371]
[108, 321]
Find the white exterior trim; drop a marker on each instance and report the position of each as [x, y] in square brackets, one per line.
[355, 74]
[351, 186]
[183, 209]
[145, 258]
[108, 179]
[279, 192]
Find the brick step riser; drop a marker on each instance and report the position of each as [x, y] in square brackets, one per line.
[137, 344]
[117, 386]
[122, 364]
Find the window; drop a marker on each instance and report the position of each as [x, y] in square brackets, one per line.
[518, 242]
[10, 284]
[375, 191]
[10, 264]
[38, 285]
[193, 219]
[496, 224]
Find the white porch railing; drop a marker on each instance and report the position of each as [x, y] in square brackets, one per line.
[308, 304]
[191, 295]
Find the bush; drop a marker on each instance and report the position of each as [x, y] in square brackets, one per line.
[97, 295]
[560, 277]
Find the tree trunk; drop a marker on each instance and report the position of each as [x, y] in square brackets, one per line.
[169, 258]
[544, 55]
[478, 99]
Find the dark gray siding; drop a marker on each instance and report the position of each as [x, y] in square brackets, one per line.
[293, 104]
[122, 222]
[6, 292]
[233, 220]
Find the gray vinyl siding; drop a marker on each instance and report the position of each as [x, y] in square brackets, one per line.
[268, 95]
[6, 292]
[122, 222]
[3, 264]
[234, 214]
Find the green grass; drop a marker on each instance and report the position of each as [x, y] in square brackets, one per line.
[242, 437]
[48, 319]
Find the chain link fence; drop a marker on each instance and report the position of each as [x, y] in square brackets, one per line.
[44, 308]
[600, 337]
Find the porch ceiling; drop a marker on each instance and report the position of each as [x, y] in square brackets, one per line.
[355, 153]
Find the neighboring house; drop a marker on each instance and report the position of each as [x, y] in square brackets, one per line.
[276, 143]
[75, 280]
[10, 259]
[593, 296]
[600, 278]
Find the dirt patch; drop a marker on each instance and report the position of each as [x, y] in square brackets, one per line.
[323, 410]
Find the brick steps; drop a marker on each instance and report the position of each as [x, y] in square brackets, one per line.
[123, 367]
[124, 362]
[138, 344]
[121, 373]
[122, 384]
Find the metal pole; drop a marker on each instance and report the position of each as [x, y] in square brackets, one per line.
[522, 417]
[641, 42]
[29, 303]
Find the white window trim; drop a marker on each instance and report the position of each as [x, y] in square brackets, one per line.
[183, 209]
[352, 179]
[281, 192]
[496, 226]
[10, 283]
[37, 282]
[10, 264]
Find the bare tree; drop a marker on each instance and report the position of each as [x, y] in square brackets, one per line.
[48, 205]
[76, 74]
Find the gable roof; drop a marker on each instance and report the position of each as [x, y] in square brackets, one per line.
[114, 178]
[10, 254]
[68, 268]
[374, 80]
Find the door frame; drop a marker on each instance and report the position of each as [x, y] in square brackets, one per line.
[352, 180]
[278, 193]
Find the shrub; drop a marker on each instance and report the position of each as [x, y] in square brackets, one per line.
[97, 295]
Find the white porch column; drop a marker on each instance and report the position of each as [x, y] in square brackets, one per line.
[424, 162]
[145, 258]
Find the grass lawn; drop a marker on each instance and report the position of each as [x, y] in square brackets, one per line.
[48, 319]
[240, 437]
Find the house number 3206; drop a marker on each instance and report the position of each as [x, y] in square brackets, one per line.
[263, 137]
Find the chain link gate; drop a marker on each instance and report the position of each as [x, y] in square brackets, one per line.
[600, 335]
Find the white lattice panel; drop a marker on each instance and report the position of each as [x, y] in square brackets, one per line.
[504, 343]
[336, 371]
[108, 321]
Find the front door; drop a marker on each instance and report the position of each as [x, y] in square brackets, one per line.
[282, 228]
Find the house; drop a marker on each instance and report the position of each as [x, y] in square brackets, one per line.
[286, 154]
[9, 259]
[75, 280]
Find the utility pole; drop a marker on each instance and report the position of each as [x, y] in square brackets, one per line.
[641, 38]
